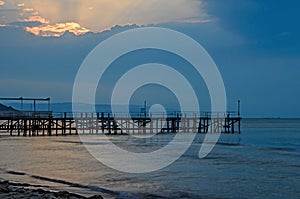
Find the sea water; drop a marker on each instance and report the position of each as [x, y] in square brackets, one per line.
[262, 162]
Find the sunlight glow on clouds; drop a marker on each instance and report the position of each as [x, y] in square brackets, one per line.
[79, 17]
[50, 30]
[20, 4]
[36, 19]
[57, 29]
[2, 3]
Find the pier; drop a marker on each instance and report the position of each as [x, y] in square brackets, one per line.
[48, 123]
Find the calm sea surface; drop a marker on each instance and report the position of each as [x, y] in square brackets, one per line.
[262, 162]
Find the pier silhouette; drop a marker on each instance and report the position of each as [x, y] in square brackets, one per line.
[47, 123]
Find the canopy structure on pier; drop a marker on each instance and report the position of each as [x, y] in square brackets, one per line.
[22, 99]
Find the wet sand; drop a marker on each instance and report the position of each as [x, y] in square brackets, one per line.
[9, 190]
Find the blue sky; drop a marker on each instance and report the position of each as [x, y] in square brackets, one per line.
[253, 42]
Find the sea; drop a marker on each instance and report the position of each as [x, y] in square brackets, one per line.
[261, 162]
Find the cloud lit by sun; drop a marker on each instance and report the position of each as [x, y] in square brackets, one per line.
[36, 18]
[77, 16]
[57, 29]
[20, 4]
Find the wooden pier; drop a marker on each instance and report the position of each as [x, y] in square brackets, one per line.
[48, 123]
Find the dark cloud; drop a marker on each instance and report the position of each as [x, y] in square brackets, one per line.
[264, 23]
[264, 81]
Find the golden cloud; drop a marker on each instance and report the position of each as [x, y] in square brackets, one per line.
[79, 16]
[20, 4]
[2, 3]
[99, 15]
[57, 30]
[48, 29]
[36, 19]
[28, 10]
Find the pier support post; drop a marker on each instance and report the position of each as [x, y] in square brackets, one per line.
[64, 124]
[49, 125]
[25, 127]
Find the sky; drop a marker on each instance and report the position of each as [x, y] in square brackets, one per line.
[254, 43]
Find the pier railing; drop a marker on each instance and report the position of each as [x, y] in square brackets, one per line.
[25, 114]
[187, 114]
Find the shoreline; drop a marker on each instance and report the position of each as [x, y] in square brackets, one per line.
[10, 189]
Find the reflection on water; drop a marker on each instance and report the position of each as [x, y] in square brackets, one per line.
[263, 162]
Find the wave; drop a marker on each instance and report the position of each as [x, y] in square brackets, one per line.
[74, 185]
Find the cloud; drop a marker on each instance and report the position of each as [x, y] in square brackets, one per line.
[99, 15]
[28, 10]
[40, 26]
[2, 3]
[140, 12]
[20, 4]
[57, 60]
[36, 19]
[57, 30]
